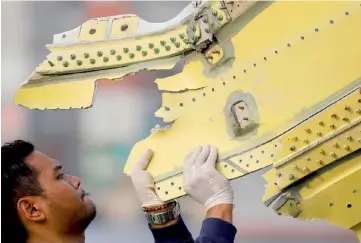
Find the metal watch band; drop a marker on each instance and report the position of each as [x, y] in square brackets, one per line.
[163, 217]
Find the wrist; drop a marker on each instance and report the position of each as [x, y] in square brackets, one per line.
[221, 211]
[163, 215]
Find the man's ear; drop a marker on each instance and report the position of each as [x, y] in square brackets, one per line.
[30, 208]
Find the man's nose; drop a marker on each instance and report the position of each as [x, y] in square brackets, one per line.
[75, 181]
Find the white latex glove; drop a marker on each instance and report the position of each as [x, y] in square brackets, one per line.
[143, 182]
[202, 181]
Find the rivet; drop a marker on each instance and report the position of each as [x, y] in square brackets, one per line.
[321, 123]
[359, 101]
[125, 50]
[151, 45]
[292, 148]
[131, 55]
[220, 17]
[181, 36]
[194, 28]
[72, 57]
[186, 41]
[172, 39]
[144, 53]
[51, 64]
[206, 30]
[112, 52]
[177, 44]
[63, 36]
[124, 27]
[294, 167]
[119, 57]
[333, 154]
[99, 53]
[167, 48]
[92, 61]
[322, 151]
[60, 58]
[156, 50]
[291, 177]
[194, 38]
[105, 59]
[347, 147]
[162, 43]
[65, 64]
[334, 116]
[138, 48]
[336, 145]
[86, 55]
[320, 162]
[214, 13]
[305, 169]
[308, 130]
[358, 112]
[279, 174]
[347, 108]
[349, 138]
[345, 119]
[305, 141]
[79, 62]
[319, 134]
[92, 31]
[205, 20]
[308, 159]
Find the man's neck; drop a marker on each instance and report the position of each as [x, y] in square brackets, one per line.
[50, 237]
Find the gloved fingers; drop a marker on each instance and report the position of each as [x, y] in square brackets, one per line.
[143, 160]
[191, 161]
[212, 158]
[201, 159]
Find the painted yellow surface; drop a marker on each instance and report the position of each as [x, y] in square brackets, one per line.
[335, 195]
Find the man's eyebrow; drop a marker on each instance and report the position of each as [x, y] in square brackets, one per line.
[57, 168]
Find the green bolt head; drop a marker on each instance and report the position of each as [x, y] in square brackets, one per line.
[194, 28]
[60, 58]
[186, 41]
[172, 39]
[112, 52]
[92, 61]
[65, 64]
[119, 57]
[220, 17]
[86, 55]
[151, 45]
[162, 43]
[72, 56]
[139, 48]
[177, 44]
[144, 53]
[79, 62]
[105, 59]
[292, 148]
[214, 13]
[131, 55]
[100, 53]
[156, 50]
[167, 48]
[126, 50]
[181, 36]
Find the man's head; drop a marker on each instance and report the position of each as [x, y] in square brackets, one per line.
[37, 196]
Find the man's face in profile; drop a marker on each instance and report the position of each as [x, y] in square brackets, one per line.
[64, 203]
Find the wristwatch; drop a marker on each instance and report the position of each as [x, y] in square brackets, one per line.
[157, 218]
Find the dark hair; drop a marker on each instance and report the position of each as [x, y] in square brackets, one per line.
[18, 179]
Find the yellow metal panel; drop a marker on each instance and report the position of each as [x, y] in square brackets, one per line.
[283, 84]
[124, 27]
[334, 194]
[93, 30]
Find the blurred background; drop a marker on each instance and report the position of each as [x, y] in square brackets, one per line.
[94, 144]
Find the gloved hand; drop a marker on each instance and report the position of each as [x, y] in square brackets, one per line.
[143, 182]
[202, 181]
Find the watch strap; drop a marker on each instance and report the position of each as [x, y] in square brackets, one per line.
[157, 218]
